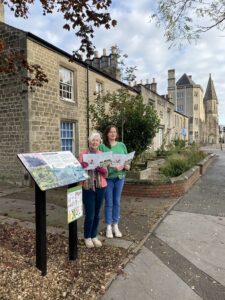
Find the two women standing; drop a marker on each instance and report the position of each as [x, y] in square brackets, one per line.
[103, 183]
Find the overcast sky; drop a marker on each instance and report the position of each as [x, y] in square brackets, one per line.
[144, 44]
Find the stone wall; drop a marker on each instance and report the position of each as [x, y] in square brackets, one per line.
[46, 109]
[13, 111]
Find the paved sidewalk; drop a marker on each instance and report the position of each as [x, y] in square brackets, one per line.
[184, 257]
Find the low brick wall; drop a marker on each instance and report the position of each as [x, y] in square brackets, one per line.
[173, 187]
[205, 163]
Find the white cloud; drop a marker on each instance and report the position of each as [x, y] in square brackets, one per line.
[144, 43]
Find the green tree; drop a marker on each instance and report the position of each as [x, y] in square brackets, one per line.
[187, 20]
[137, 123]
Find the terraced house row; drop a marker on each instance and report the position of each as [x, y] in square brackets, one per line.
[55, 116]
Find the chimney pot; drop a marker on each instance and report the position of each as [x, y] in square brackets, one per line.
[113, 50]
[96, 54]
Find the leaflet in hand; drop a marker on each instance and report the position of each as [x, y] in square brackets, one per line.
[103, 159]
[122, 159]
[107, 159]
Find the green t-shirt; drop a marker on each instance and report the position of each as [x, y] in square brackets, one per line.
[118, 148]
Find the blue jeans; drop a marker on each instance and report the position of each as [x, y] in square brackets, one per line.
[112, 200]
[92, 204]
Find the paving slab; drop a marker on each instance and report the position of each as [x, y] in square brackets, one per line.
[25, 210]
[199, 238]
[207, 196]
[138, 215]
[147, 278]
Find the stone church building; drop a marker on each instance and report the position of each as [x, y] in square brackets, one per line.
[202, 110]
[211, 113]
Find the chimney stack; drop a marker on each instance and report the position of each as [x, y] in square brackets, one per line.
[104, 52]
[96, 54]
[172, 85]
[153, 86]
[113, 50]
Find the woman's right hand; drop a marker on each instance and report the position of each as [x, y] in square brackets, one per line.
[119, 168]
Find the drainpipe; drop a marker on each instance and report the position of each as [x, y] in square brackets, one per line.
[87, 102]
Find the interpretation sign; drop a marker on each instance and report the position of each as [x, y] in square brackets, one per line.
[74, 203]
[53, 169]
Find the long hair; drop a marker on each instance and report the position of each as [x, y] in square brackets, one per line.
[105, 135]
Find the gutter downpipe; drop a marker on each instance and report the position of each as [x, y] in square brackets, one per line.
[88, 102]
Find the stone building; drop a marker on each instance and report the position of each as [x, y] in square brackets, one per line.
[189, 99]
[162, 103]
[173, 125]
[55, 116]
[211, 112]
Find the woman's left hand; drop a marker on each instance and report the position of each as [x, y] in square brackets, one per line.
[102, 171]
[127, 167]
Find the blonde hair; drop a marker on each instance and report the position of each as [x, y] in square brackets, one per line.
[95, 134]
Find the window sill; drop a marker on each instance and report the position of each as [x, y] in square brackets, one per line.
[67, 100]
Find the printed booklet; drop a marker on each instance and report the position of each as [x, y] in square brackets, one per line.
[106, 159]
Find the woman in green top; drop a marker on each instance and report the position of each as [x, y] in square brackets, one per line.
[115, 181]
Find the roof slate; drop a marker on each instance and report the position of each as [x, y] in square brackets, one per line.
[185, 80]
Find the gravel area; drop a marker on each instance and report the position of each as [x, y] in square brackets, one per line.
[85, 278]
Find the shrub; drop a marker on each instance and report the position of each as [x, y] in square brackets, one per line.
[175, 166]
[184, 159]
[179, 144]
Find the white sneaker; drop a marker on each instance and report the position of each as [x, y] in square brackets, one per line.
[109, 233]
[88, 243]
[96, 242]
[117, 231]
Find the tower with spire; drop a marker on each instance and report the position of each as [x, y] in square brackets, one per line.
[211, 113]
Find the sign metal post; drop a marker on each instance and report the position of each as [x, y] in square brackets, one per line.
[73, 237]
[40, 220]
[73, 240]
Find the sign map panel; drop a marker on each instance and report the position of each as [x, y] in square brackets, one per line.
[53, 169]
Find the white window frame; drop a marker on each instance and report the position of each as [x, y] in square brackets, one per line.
[67, 133]
[99, 88]
[66, 84]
